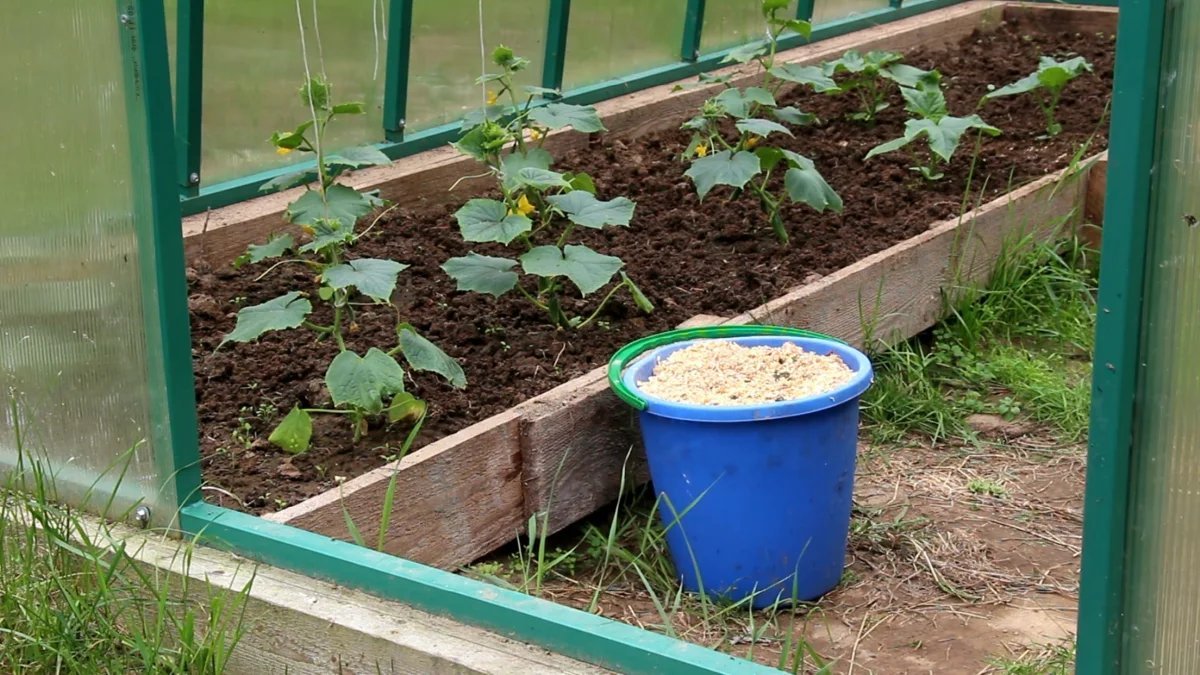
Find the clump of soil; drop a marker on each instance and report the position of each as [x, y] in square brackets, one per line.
[721, 372]
[690, 257]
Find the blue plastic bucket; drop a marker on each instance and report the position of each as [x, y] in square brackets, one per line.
[756, 499]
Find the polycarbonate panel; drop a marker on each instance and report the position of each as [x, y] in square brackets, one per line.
[447, 54]
[73, 363]
[734, 22]
[1163, 583]
[825, 11]
[610, 38]
[254, 67]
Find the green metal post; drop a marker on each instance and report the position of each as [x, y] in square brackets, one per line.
[399, 51]
[805, 9]
[693, 28]
[173, 430]
[1127, 215]
[189, 92]
[554, 63]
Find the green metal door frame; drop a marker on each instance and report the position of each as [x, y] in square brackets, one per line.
[1127, 219]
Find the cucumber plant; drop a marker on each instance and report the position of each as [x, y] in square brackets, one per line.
[868, 75]
[745, 160]
[539, 208]
[1046, 84]
[931, 120]
[364, 386]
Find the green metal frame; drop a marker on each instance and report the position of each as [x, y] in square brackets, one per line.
[399, 53]
[555, 60]
[189, 92]
[174, 430]
[247, 187]
[693, 29]
[1127, 217]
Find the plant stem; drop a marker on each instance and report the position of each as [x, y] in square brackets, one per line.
[602, 304]
[336, 329]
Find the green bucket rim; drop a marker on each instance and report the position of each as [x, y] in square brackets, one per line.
[616, 365]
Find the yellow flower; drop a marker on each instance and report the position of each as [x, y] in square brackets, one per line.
[283, 151]
[492, 97]
[308, 229]
[525, 206]
[536, 134]
[753, 141]
[702, 150]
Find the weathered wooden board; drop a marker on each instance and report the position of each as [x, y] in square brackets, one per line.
[221, 235]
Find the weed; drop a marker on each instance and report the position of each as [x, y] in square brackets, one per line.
[1050, 659]
[983, 486]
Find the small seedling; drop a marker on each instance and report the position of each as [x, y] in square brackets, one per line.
[942, 131]
[361, 386]
[747, 161]
[539, 209]
[990, 488]
[1047, 84]
[868, 76]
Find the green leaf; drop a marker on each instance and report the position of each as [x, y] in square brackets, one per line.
[723, 168]
[328, 233]
[405, 408]
[287, 180]
[482, 273]
[489, 220]
[581, 181]
[315, 93]
[373, 277]
[364, 382]
[341, 203]
[811, 76]
[746, 53]
[274, 248]
[909, 76]
[800, 27]
[350, 109]
[476, 117]
[946, 134]
[582, 208]
[761, 127]
[737, 102]
[294, 432]
[586, 268]
[286, 311]
[513, 162]
[771, 6]
[558, 115]
[422, 354]
[925, 102]
[793, 115]
[804, 184]
[768, 157]
[365, 155]
[889, 146]
[541, 91]
[1021, 86]
[540, 179]
[639, 298]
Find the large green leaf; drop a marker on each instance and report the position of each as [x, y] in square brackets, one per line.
[288, 180]
[489, 220]
[723, 168]
[482, 273]
[586, 268]
[1025, 84]
[540, 179]
[293, 433]
[793, 115]
[804, 184]
[513, 162]
[363, 382]
[274, 248]
[737, 102]
[329, 233]
[582, 208]
[810, 76]
[373, 277]
[341, 203]
[422, 354]
[890, 146]
[946, 134]
[910, 76]
[926, 102]
[366, 155]
[761, 127]
[286, 311]
[746, 53]
[558, 115]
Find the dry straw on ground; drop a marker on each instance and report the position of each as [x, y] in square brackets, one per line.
[720, 372]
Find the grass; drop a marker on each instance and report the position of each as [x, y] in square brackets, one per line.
[73, 598]
[1016, 348]
[1052, 659]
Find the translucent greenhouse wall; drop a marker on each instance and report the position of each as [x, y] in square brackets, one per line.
[1162, 623]
[80, 397]
[252, 63]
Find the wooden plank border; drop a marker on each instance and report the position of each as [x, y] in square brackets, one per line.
[562, 453]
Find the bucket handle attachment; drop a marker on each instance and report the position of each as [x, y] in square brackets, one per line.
[616, 365]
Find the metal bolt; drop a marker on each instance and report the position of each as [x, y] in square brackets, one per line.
[402, 122]
[125, 19]
[141, 515]
[193, 178]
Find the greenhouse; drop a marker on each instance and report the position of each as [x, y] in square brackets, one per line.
[713, 336]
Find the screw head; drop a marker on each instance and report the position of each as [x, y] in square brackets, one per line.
[141, 515]
[194, 178]
[125, 19]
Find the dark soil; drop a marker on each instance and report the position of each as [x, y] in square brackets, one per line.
[717, 257]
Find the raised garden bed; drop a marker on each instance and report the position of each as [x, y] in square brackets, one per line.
[537, 430]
